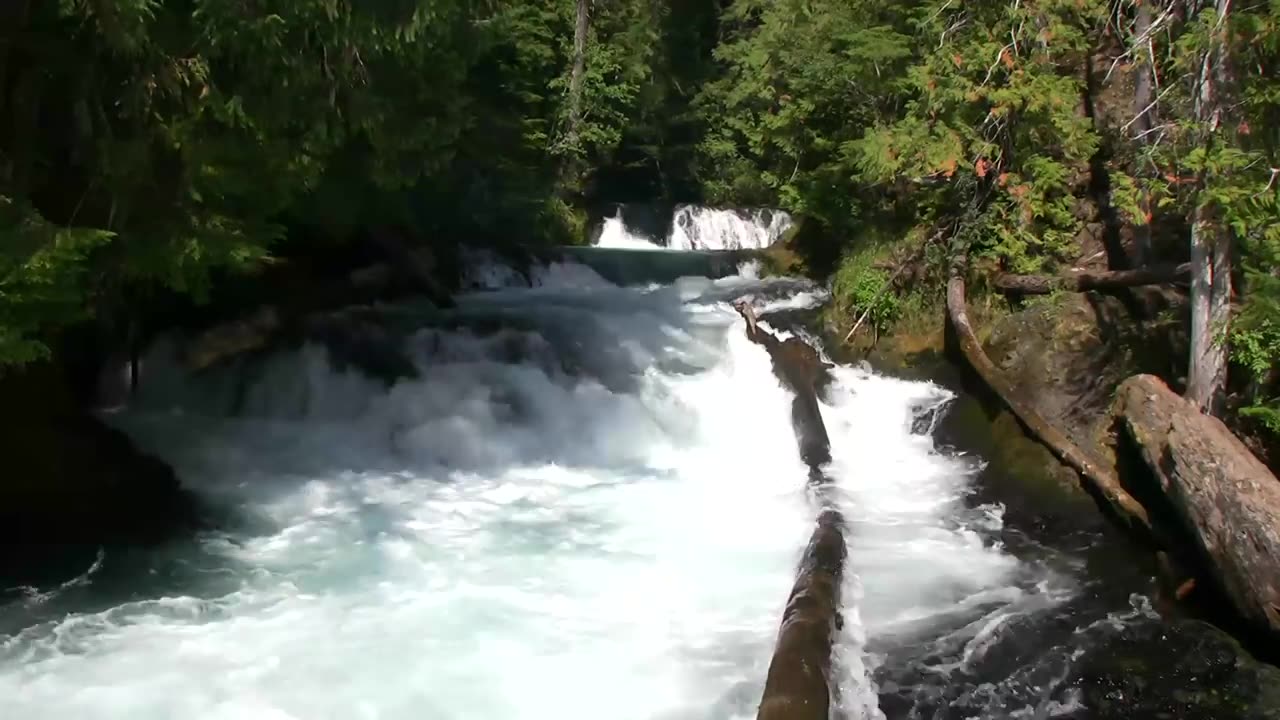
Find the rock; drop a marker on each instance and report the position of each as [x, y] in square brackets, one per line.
[232, 339]
[362, 341]
[70, 480]
[355, 336]
[1131, 675]
[1068, 354]
[1223, 497]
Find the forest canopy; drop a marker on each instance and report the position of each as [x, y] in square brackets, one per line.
[152, 146]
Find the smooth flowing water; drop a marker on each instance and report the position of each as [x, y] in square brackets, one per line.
[589, 505]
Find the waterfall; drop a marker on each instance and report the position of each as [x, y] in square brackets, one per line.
[701, 228]
[614, 233]
[694, 227]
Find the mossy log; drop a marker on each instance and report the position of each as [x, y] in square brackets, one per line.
[1096, 475]
[1091, 280]
[1223, 496]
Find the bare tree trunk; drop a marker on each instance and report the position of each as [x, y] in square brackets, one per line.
[1144, 111]
[1210, 240]
[580, 29]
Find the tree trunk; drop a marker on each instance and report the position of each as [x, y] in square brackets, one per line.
[1099, 478]
[1210, 241]
[1091, 280]
[1223, 496]
[1144, 96]
[581, 27]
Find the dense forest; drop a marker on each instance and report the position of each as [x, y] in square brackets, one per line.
[150, 149]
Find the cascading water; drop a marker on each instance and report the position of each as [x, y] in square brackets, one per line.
[701, 228]
[590, 504]
[614, 233]
[695, 227]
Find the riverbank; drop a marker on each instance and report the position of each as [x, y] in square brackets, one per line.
[1069, 353]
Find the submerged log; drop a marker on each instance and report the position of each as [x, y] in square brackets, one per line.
[1096, 475]
[1092, 279]
[798, 686]
[1223, 495]
[801, 370]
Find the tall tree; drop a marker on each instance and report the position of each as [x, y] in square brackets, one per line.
[1211, 236]
[581, 28]
[1144, 105]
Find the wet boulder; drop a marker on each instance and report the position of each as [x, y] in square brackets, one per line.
[1185, 670]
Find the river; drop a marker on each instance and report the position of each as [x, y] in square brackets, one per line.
[589, 505]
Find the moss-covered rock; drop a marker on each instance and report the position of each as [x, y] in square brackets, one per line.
[1070, 352]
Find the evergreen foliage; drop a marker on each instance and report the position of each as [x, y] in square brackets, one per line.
[1016, 122]
[158, 144]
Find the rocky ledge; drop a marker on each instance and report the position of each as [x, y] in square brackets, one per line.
[72, 481]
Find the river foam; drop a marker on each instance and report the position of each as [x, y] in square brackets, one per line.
[590, 504]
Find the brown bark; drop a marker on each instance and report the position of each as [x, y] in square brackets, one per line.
[801, 370]
[1091, 280]
[1223, 495]
[799, 685]
[1095, 474]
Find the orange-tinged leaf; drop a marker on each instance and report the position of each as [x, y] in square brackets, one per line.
[980, 167]
[1007, 58]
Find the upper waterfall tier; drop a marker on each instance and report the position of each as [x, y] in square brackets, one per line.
[695, 227]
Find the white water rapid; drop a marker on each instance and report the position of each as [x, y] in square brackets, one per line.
[590, 505]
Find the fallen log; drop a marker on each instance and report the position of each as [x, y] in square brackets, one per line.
[1095, 474]
[798, 685]
[801, 370]
[1222, 495]
[1091, 279]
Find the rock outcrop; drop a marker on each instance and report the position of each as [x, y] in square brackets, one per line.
[71, 480]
